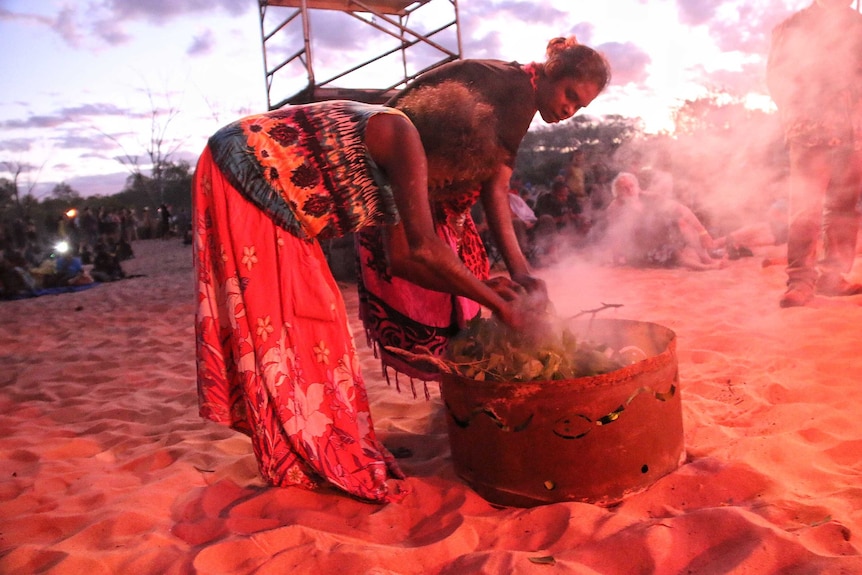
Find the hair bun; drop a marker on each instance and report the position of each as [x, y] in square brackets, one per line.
[561, 43]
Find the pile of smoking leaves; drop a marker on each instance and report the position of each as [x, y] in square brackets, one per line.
[488, 350]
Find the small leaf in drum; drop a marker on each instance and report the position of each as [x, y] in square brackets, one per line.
[488, 350]
[544, 560]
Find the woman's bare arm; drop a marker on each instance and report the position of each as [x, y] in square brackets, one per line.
[495, 200]
[414, 250]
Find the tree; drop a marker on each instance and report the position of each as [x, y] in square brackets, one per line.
[18, 169]
[65, 192]
[546, 150]
[158, 149]
[729, 158]
[8, 191]
[176, 183]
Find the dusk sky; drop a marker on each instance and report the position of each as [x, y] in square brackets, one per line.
[82, 79]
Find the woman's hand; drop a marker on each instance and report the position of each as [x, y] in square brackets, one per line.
[522, 307]
[534, 286]
[515, 315]
[505, 288]
[415, 252]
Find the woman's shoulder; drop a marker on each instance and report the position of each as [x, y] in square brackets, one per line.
[475, 63]
[510, 73]
[476, 72]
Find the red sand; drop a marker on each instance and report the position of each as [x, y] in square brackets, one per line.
[106, 468]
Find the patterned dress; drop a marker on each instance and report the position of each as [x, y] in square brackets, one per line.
[275, 356]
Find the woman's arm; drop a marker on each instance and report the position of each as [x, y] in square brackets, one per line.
[495, 200]
[414, 250]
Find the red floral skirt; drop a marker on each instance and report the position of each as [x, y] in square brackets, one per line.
[275, 356]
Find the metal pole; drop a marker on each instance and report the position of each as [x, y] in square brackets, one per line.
[458, 28]
[262, 7]
[306, 32]
[401, 27]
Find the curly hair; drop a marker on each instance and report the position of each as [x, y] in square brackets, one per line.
[567, 58]
[458, 129]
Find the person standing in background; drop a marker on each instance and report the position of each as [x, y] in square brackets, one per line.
[575, 176]
[814, 75]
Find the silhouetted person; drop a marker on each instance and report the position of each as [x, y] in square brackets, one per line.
[106, 265]
[164, 222]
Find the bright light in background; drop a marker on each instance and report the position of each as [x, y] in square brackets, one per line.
[759, 102]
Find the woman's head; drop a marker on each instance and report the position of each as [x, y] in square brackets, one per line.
[625, 187]
[458, 132]
[571, 77]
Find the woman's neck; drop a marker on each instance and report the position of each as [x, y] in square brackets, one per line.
[534, 69]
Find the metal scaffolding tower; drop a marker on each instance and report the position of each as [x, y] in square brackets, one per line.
[378, 32]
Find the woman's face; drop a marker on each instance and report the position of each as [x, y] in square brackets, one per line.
[558, 100]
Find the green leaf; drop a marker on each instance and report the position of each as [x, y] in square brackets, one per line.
[487, 350]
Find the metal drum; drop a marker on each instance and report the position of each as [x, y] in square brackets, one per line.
[591, 439]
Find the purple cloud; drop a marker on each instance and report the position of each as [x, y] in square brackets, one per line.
[525, 13]
[107, 21]
[696, 12]
[488, 46]
[16, 144]
[749, 30]
[583, 31]
[34, 122]
[628, 62]
[92, 142]
[160, 11]
[202, 44]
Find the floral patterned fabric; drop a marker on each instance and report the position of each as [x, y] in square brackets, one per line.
[307, 167]
[398, 313]
[275, 356]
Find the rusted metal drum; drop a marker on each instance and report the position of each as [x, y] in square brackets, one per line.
[591, 439]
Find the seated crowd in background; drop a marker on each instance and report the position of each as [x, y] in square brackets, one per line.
[620, 217]
[647, 229]
[61, 267]
[78, 247]
[548, 223]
